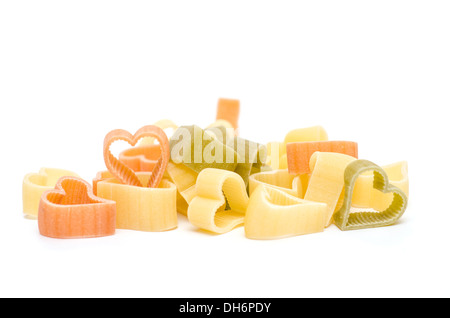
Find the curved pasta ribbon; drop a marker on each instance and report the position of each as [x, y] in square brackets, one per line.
[327, 179]
[273, 214]
[279, 179]
[220, 201]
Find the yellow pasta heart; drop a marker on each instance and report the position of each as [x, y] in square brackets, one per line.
[220, 201]
[273, 214]
[141, 208]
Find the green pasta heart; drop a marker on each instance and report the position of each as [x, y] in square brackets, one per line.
[239, 155]
[345, 220]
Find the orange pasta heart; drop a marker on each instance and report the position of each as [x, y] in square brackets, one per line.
[71, 210]
[123, 172]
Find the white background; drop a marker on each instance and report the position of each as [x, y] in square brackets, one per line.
[376, 72]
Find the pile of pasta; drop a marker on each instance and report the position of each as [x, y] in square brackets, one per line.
[219, 181]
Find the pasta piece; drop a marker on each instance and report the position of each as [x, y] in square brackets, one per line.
[124, 173]
[164, 124]
[301, 184]
[71, 210]
[142, 208]
[278, 179]
[141, 158]
[198, 150]
[228, 109]
[346, 220]
[299, 153]
[365, 196]
[314, 133]
[283, 162]
[274, 214]
[35, 184]
[213, 148]
[101, 175]
[277, 151]
[221, 123]
[252, 158]
[327, 179]
[220, 201]
[184, 179]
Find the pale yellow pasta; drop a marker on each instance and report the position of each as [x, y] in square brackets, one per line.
[273, 214]
[142, 208]
[277, 157]
[300, 183]
[327, 179]
[35, 184]
[314, 133]
[221, 123]
[279, 179]
[275, 150]
[164, 124]
[220, 201]
[283, 162]
[184, 179]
